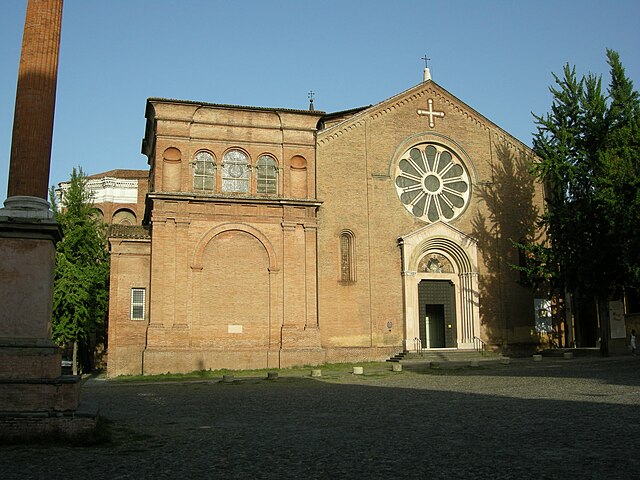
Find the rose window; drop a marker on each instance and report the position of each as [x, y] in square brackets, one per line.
[432, 183]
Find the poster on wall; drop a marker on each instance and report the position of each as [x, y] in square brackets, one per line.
[542, 308]
[616, 319]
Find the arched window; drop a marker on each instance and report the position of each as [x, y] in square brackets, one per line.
[124, 217]
[347, 257]
[204, 172]
[235, 172]
[266, 175]
[97, 215]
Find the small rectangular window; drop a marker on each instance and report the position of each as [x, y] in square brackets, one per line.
[137, 303]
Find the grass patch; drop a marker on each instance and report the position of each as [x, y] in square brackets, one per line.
[446, 371]
[304, 371]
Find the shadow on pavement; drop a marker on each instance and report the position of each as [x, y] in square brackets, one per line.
[486, 424]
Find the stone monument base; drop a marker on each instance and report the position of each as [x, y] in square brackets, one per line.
[35, 399]
[33, 427]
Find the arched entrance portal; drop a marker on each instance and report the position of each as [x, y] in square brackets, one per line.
[440, 288]
[437, 314]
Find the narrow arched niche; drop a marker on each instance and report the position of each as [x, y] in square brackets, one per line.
[171, 170]
[298, 176]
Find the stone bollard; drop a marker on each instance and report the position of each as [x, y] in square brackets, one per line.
[227, 379]
[537, 358]
[358, 371]
[505, 361]
[316, 373]
[396, 367]
[474, 363]
[567, 355]
[272, 375]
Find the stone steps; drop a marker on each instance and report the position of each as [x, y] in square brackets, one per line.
[446, 358]
[577, 352]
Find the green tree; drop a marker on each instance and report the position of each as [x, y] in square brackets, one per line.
[81, 287]
[619, 183]
[589, 161]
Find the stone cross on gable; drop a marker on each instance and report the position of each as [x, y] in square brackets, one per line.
[430, 113]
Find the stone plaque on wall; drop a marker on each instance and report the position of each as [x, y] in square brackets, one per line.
[616, 319]
[542, 309]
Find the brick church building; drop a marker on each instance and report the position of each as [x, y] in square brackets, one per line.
[267, 237]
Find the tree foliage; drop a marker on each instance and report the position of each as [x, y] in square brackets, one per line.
[589, 150]
[80, 297]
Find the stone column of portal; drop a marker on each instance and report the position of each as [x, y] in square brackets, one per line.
[34, 398]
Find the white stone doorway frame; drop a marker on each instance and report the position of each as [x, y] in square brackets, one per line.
[461, 251]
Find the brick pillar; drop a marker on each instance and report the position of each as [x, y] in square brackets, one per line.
[300, 334]
[311, 280]
[35, 100]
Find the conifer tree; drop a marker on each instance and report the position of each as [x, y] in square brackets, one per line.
[619, 186]
[589, 149]
[80, 296]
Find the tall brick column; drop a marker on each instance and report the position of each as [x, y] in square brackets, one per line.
[35, 399]
[35, 100]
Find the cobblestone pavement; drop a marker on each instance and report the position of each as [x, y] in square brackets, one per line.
[555, 419]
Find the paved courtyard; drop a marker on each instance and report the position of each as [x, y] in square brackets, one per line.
[558, 418]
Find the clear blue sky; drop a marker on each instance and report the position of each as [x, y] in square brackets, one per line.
[497, 56]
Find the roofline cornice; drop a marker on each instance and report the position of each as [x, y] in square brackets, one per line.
[218, 198]
[411, 94]
[313, 113]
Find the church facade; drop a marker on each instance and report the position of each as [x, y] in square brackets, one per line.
[274, 237]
